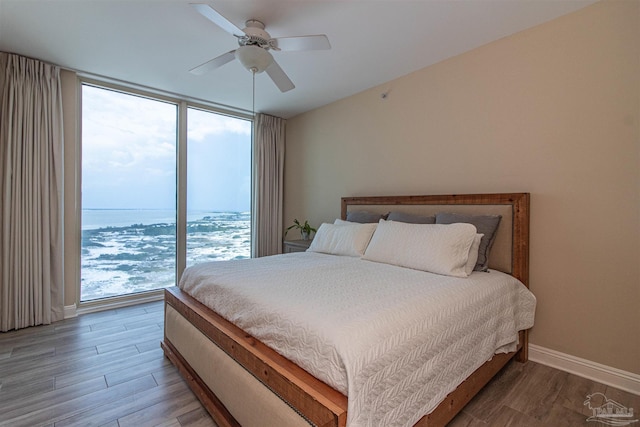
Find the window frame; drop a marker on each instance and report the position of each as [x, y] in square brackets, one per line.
[183, 104]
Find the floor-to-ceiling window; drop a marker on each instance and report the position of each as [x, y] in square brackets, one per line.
[218, 187]
[130, 192]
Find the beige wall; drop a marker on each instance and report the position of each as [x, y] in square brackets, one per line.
[553, 111]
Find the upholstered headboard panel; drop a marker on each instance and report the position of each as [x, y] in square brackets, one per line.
[510, 252]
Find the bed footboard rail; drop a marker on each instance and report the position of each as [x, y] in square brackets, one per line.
[312, 398]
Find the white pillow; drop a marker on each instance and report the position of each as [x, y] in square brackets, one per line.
[350, 239]
[437, 248]
[473, 254]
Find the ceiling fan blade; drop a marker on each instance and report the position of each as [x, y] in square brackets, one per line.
[214, 63]
[212, 15]
[279, 77]
[319, 42]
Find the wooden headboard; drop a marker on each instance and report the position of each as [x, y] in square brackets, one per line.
[510, 252]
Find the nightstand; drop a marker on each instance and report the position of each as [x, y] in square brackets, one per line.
[296, 245]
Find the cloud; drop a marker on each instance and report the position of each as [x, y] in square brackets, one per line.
[129, 153]
[129, 131]
[202, 124]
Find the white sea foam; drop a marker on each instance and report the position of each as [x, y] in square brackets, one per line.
[140, 255]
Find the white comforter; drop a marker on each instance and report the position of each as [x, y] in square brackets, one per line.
[396, 341]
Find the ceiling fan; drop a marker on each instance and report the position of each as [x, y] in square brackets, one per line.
[254, 46]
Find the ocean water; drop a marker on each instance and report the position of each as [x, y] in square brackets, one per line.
[128, 251]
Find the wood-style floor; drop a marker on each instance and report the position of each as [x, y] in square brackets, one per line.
[107, 369]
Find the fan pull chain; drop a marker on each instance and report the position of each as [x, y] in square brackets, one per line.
[253, 96]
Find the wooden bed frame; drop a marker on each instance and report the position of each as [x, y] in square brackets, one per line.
[309, 400]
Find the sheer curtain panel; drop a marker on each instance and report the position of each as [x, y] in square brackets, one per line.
[269, 140]
[31, 264]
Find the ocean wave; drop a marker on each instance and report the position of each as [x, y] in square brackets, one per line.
[139, 257]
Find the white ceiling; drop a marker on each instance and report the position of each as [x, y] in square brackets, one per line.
[154, 43]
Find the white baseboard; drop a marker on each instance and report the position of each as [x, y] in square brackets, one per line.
[70, 311]
[614, 377]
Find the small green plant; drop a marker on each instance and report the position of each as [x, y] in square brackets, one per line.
[305, 229]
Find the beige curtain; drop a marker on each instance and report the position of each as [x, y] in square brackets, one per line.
[31, 263]
[269, 142]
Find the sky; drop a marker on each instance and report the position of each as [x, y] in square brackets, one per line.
[129, 155]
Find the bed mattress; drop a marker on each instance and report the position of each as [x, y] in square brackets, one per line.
[396, 341]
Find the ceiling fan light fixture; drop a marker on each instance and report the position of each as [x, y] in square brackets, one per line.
[254, 58]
